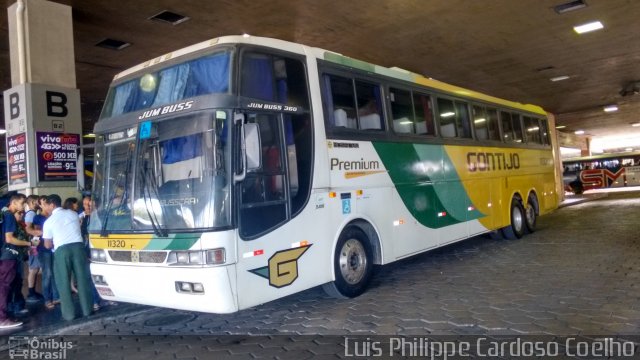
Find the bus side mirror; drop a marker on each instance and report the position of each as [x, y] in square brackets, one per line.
[253, 146]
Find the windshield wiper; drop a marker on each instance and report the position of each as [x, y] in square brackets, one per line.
[147, 195]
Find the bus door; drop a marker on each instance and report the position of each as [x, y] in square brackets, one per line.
[270, 242]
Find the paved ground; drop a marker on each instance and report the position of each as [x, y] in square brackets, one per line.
[577, 275]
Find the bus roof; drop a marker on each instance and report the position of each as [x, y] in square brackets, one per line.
[602, 157]
[336, 58]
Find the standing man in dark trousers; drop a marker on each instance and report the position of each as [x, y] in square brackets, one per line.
[10, 253]
[61, 232]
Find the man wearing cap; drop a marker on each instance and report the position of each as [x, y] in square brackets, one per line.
[61, 232]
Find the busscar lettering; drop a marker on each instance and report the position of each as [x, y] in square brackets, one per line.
[479, 161]
[166, 110]
[362, 164]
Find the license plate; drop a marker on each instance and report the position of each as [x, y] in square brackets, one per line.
[104, 291]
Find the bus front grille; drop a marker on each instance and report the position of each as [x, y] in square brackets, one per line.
[154, 257]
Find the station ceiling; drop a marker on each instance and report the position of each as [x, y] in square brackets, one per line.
[506, 48]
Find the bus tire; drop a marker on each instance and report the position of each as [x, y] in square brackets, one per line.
[352, 264]
[531, 213]
[515, 230]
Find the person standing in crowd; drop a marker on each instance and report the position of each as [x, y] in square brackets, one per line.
[45, 257]
[71, 204]
[31, 210]
[8, 258]
[17, 304]
[62, 233]
[85, 216]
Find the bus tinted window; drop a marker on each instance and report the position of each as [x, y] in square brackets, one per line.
[341, 103]
[532, 130]
[544, 131]
[424, 114]
[402, 111]
[480, 123]
[462, 120]
[447, 117]
[507, 127]
[493, 125]
[369, 106]
[517, 128]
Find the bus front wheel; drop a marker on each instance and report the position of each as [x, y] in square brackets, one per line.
[352, 264]
[516, 229]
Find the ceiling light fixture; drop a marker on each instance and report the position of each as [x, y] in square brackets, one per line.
[636, 124]
[113, 44]
[611, 108]
[3, 131]
[570, 6]
[579, 132]
[588, 27]
[561, 126]
[90, 135]
[169, 17]
[559, 78]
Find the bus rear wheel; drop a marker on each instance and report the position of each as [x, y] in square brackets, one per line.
[531, 213]
[516, 229]
[352, 264]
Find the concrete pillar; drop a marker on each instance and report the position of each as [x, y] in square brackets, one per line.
[553, 135]
[42, 109]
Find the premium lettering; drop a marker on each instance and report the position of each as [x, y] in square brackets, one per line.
[336, 164]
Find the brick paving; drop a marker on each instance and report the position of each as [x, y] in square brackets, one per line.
[578, 274]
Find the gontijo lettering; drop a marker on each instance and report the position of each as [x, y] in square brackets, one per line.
[492, 161]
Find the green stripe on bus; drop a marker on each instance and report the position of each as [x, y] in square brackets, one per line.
[347, 61]
[426, 190]
[173, 242]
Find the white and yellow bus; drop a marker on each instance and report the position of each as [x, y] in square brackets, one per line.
[244, 169]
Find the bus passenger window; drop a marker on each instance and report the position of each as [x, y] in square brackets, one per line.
[369, 106]
[462, 120]
[340, 101]
[544, 131]
[507, 128]
[532, 130]
[424, 114]
[401, 111]
[447, 115]
[493, 125]
[480, 122]
[517, 128]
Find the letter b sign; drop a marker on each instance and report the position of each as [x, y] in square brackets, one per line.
[56, 104]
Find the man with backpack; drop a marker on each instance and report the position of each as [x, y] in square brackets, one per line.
[9, 255]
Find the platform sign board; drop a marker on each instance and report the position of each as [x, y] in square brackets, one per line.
[57, 155]
[17, 173]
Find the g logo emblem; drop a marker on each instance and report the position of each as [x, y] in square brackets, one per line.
[282, 269]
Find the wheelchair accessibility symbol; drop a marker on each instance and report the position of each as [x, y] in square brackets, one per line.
[346, 206]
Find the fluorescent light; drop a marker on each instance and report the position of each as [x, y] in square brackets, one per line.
[479, 121]
[3, 131]
[90, 135]
[570, 6]
[405, 122]
[579, 132]
[559, 78]
[610, 108]
[535, 128]
[581, 29]
[634, 124]
[447, 114]
[561, 126]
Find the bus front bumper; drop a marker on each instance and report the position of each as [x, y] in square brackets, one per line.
[161, 286]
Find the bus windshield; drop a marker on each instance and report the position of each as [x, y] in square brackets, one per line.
[205, 75]
[166, 176]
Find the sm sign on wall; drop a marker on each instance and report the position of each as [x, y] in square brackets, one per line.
[39, 118]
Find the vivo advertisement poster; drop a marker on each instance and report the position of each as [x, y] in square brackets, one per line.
[17, 160]
[57, 156]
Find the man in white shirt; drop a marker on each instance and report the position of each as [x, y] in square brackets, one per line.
[61, 232]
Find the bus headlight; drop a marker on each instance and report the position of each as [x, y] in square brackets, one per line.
[98, 255]
[197, 257]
